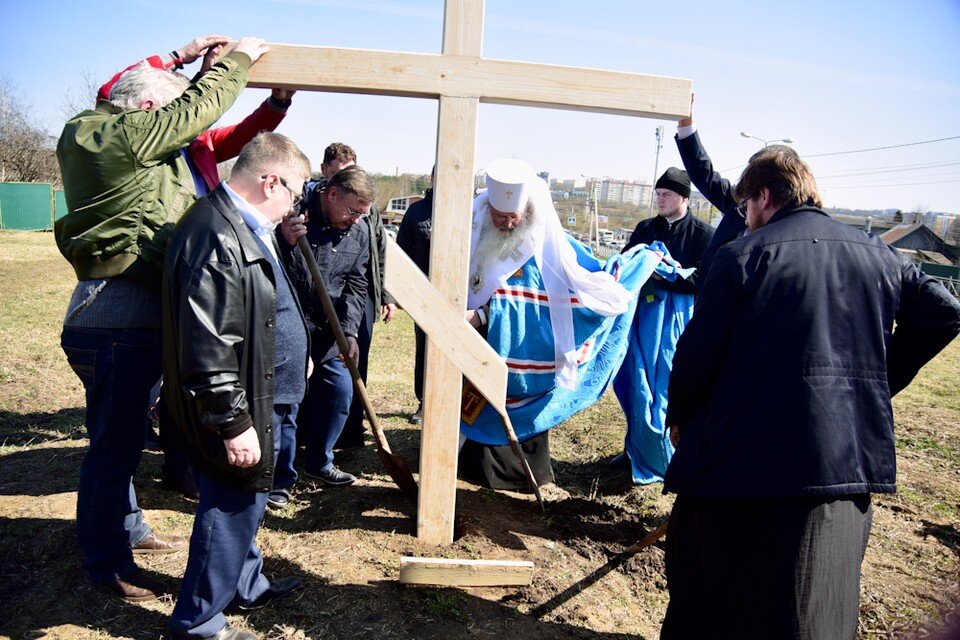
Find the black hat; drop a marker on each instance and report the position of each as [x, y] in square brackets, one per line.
[676, 180]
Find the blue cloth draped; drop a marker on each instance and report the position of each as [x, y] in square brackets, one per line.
[641, 384]
[519, 330]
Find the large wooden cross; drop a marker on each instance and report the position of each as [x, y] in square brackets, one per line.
[461, 79]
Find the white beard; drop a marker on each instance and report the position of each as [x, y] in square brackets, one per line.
[498, 245]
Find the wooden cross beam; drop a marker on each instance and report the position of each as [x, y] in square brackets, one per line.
[461, 79]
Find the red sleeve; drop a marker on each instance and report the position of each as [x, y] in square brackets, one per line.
[157, 62]
[227, 142]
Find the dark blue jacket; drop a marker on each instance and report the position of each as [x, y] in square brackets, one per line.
[715, 188]
[414, 234]
[782, 380]
[342, 257]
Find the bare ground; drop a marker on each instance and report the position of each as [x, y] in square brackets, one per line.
[346, 543]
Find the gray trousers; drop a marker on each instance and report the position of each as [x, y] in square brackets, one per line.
[784, 568]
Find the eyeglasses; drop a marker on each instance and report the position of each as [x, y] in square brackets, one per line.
[742, 208]
[354, 214]
[297, 197]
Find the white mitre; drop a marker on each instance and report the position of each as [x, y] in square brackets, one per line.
[509, 184]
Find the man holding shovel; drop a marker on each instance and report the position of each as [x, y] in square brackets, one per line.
[341, 249]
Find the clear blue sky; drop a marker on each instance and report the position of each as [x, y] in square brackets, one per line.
[832, 75]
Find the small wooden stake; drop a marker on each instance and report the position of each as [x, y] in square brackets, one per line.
[465, 573]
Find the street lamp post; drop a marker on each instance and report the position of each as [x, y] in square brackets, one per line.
[766, 142]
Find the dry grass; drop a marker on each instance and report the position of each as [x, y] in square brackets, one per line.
[346, 543]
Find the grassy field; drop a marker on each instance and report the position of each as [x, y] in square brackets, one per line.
[347, 543]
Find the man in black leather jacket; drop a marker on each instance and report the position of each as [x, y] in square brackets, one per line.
[235, 362]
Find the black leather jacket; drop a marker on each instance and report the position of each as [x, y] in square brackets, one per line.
[219, 333]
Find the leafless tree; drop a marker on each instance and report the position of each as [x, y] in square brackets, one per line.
[27, 151]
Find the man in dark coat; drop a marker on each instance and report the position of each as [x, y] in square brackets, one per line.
[235, 362]
[780, 406]
[685, 235]
[414, 238]
[342, 250]
[714, 187]
[379, 304]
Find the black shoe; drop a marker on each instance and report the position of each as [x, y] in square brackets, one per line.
[277, 589]
[278, 498]
[417, 418]
[332, 476]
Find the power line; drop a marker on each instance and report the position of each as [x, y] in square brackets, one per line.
[843, 173]
[880, 186]
[892, 146]
[843, 153]
[877, 174]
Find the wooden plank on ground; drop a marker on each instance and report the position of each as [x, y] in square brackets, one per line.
[465, 573]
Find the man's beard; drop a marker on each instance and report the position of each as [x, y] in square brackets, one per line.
[500, 244]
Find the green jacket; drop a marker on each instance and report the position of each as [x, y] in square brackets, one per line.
[125, 180]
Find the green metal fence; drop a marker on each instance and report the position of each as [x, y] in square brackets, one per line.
[28, 206]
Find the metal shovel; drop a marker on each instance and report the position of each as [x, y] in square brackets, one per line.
[395, 464]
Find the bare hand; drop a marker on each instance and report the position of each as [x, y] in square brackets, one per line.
[283, 94]
[473, 318]
[309, 366]
[243, 450]
[292, 227]
[688, 121]
[387, 311]
[353, 350]
[253, 47]
[674, 435]
[199, 46]
[210, 58]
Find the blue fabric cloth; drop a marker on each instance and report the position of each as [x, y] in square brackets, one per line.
[118, 368]
[225, 565]
[519, 330]
[325, 412]
[641, 384]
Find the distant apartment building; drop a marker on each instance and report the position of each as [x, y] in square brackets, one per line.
[947, 226]
[623, 192]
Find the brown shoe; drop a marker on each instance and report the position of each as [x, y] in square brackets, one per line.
[134, 587]
[161, 544]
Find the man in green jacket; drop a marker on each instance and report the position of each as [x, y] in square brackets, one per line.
[126, 183]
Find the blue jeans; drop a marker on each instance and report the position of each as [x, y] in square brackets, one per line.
[352, 435]
[326, 406]
[285, 475]
[117, 367]
[225, 565]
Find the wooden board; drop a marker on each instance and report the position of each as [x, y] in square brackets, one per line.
[465, 573]
[423, 75]
[466, 349]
